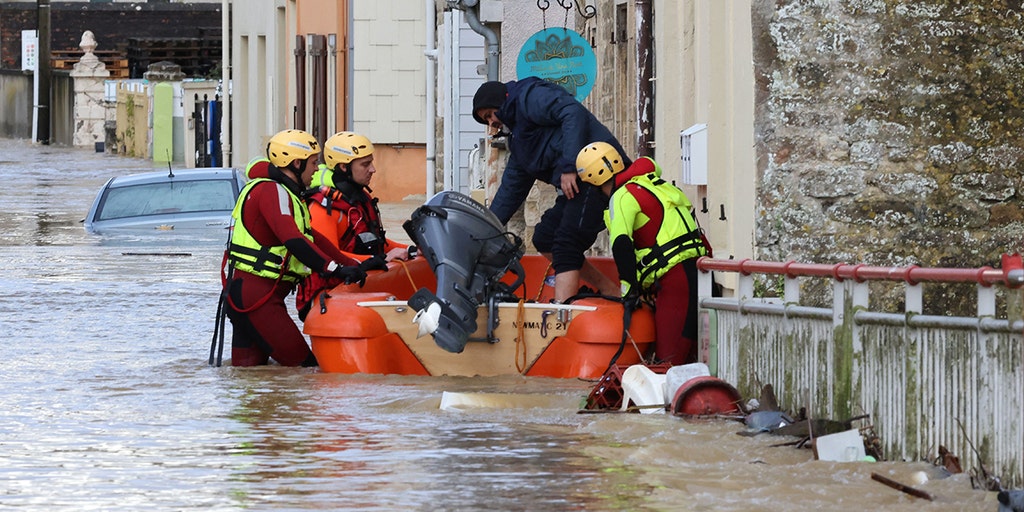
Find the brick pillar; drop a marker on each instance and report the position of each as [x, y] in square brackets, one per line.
[90, 107]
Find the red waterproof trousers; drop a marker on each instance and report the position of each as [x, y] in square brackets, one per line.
[261, 325]
[675, 314]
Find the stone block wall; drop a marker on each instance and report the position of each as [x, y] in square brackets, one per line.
[890, 132]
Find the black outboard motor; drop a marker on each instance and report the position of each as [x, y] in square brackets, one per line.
[469, 252]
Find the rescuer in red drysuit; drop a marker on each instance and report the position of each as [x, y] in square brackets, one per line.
[272, 248]
[655, 241]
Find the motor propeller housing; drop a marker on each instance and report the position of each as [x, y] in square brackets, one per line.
[469, 252]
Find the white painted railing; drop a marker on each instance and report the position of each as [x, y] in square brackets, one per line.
[925, 380]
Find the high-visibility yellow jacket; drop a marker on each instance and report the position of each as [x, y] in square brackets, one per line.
[644, 251]
[246, 254]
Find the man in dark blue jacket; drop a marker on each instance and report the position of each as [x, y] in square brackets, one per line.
[547, 128]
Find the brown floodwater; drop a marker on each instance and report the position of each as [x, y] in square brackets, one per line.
[110, 404]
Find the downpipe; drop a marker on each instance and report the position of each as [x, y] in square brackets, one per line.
[471, 10]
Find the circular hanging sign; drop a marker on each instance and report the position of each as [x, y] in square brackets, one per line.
[561, 56]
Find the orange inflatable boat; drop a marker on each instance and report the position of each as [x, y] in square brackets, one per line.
[494, 321]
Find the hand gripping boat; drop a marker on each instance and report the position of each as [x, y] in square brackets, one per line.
[484, 305]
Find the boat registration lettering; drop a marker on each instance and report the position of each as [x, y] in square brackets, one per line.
[536, 326]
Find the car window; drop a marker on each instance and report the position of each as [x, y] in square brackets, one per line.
[169, 197]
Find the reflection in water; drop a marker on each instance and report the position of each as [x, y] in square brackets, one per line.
[109, 403]
[387, 446]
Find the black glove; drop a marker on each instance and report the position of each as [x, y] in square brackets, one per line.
[374, 263]
[350, 274]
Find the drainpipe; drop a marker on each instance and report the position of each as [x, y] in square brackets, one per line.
[471, 8]
[351, 67]
[431, 53]
[645, 78]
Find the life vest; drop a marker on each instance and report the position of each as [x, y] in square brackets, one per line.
[677, 239]
[246, 254]
[323, 177]
[355, 204]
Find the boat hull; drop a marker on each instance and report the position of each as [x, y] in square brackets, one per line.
[371, 330]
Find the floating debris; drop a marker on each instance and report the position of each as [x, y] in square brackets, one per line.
[900, 487]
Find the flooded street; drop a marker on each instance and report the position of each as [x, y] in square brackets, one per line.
[109, 404]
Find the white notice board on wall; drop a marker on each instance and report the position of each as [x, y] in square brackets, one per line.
[29, 50]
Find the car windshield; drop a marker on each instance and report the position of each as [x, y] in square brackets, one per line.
[168, 197]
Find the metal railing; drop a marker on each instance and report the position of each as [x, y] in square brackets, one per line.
[926, 380]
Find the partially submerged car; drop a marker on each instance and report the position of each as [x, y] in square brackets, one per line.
[172, 199]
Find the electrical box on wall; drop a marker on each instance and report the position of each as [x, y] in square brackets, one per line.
[491, 11]
[693, 142]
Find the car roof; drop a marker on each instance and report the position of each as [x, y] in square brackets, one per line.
[163, 179]
[206, 173]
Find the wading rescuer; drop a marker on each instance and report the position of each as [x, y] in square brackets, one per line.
[272, 248]
[655, 241]
[343, 209]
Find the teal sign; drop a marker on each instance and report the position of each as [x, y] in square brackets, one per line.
[561, 56]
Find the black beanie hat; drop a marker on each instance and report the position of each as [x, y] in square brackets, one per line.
[489, 95]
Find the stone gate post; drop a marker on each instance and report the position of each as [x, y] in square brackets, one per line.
[90, 111]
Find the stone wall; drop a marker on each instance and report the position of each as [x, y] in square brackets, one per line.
[889, 132]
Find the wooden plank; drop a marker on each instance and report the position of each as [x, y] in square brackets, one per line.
[111, 63]
[77, 54]
[900, 487]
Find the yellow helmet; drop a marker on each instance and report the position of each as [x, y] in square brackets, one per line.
[344, 147]
[290, 145]
[597, 162]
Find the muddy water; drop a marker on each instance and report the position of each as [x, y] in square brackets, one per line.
[109, 404]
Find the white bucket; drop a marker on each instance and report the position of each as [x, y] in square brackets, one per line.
[676, 376]
[847, 446]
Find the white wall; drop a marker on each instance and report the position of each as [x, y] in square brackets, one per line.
[389, 71]
[704, 75]
[461, 57]
[260, 63]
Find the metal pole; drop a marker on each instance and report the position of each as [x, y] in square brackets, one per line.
[300, 83]
[645, 78]
[321, 87]
[43, 69]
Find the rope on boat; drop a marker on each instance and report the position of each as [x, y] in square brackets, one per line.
[627, 316]
[521, 337]
[635, 346]
[540, 288]
[408, 274]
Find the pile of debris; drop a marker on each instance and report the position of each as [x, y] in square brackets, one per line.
[691, 392]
